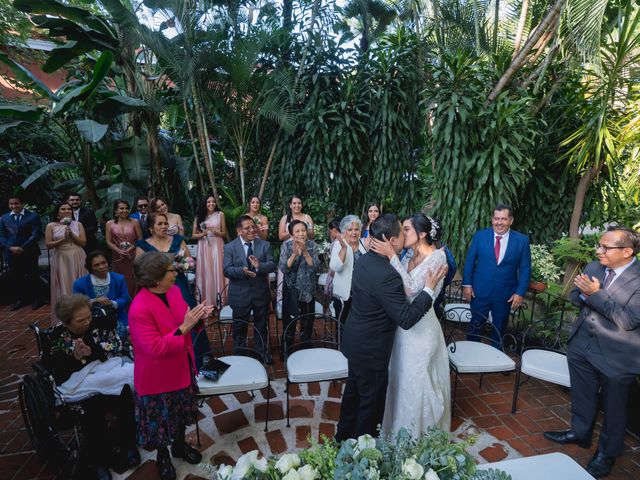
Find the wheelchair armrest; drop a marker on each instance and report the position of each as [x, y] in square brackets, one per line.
[42, 371]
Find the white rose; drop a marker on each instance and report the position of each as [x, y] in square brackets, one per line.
[373, 474]
[412, 469]
[287, 462]
[246, 463]
[365, 441]
[431, 475]
[292, 475]
[224, 472]
[307, 473]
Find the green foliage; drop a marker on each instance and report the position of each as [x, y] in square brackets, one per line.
[579, 250]
[543, 265]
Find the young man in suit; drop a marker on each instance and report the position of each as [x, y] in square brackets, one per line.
[20, 231]
[604, 346]
[87, 217]
[496, 272]
[142, 204]
[247, 265]
[379, 305]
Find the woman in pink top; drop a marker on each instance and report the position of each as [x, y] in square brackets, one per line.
[122, 234]
[160, 323]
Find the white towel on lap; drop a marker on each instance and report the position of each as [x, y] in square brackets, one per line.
[106, 378]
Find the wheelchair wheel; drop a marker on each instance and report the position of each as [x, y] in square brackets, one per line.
[37, 405]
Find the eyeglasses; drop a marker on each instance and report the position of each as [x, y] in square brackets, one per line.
[605, 248]
[143, 205]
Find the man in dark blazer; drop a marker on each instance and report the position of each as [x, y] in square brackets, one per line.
[20, 231]
[142, 205]
[247, 265]
[496, 272]
[604, 346]
[87, 218]
[379, 305]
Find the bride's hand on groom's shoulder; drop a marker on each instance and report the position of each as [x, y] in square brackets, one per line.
[432, 277]
[382, 247]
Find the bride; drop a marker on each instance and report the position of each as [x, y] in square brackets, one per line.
[419, 391]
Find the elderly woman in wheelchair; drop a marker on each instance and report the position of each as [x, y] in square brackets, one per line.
[85, 358]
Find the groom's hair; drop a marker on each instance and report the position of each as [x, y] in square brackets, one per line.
[386, 225]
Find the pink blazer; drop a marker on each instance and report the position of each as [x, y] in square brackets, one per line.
[160, 363]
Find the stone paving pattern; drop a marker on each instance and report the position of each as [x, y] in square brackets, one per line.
[231, 425]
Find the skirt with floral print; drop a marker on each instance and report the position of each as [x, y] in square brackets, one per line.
[158, 416]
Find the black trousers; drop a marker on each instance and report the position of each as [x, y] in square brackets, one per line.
[24, 279]
[291, 308]
[260, 319]
[589, 372]
[362, 403]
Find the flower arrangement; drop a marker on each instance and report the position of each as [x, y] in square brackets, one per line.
[185, 264]
[432, 456]
[125, 245]
[543, 266]
[66, 221]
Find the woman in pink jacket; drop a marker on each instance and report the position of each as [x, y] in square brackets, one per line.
[160, 323]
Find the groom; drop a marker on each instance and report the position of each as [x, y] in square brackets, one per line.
[379, 305]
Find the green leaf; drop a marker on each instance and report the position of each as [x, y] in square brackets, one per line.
[25, 76]
[91, 131]
[117, 104]
[28, 113]
[46, 169]
[7, 126]
[60, 56]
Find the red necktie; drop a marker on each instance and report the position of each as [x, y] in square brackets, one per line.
[496, 248]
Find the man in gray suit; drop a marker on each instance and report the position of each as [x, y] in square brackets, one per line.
[604, 346]
[247, 264]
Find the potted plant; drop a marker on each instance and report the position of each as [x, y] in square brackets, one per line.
[543, 268]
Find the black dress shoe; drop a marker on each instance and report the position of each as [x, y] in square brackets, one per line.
[600, 465]
[187, 453]
[567, 436]
[166, 468]
[18, 305]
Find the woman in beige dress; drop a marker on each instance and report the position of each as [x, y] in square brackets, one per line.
[65, 237]
[122, 234]
[176, 227]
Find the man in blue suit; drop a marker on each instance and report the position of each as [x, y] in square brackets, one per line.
[20, 231]
[142, 204]
[496, 272]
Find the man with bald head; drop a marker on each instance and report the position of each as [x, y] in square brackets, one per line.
[604, 346]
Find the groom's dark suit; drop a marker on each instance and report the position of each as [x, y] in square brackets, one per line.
[379, 305]
[604, 352]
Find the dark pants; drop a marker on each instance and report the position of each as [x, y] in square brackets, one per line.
[362, 403]
[292, 307]
[260, 319]
[24, 279]
[589, 372]
[481, 307]
[342, 309]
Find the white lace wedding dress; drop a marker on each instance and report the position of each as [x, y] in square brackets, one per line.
[419, 390]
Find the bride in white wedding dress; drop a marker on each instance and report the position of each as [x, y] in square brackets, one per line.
[419, 390]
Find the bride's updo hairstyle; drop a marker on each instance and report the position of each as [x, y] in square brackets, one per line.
[430, 226]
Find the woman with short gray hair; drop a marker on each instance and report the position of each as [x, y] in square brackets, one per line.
[345, 251]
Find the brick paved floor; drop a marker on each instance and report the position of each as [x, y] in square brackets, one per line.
[233, 424]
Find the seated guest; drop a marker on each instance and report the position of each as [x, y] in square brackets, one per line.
[176, 227]
[247, 264]
[299, 263]
[76, 342]
[345, 251]
[106, 288]
[161, 322]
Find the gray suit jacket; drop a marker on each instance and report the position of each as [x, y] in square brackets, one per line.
[245, 291]
[613, 317]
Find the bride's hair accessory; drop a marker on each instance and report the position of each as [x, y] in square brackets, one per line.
[435, 227]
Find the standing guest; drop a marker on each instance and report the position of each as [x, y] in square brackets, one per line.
[176, 227]
[20, 231]
[106, 288]
[209, 229]
[496, 272]
[142, 204]
[261, 221]
[76, 342]
[604, 347]
[87, 217]
[247, 264]
[164, 369]
[294, 212]
[122, 235]
[373, 212]
[66, 237]
[299, 263]
[344, 253]
[334, 230]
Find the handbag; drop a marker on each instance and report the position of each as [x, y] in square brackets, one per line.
[212, 369]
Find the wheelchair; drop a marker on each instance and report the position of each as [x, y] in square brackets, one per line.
[52, 423]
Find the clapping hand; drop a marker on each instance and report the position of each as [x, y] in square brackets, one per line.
[194, 315]
[432, 278]
[80, 349]
[248, 272]
[382, 247]
[587, 286]
[254, 261]
[341, 239]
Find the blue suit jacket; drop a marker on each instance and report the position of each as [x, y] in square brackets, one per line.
[145, 231]
[26, 235]
[489, 279]
[117, 292]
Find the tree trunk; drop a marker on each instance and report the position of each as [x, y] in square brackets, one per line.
[476, 26]
[153, 144]
[287, 11]
[265, 176]
[194, 146]
[496, 21]
[520, 30]
[520, 59]
[201, 127]
[86, 165]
